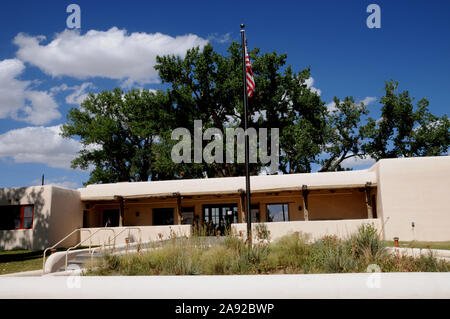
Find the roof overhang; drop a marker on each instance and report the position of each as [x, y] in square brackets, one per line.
[228, 185]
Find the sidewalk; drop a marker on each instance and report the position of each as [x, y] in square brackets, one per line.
[30, 273]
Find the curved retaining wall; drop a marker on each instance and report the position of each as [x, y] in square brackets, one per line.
[321, 286]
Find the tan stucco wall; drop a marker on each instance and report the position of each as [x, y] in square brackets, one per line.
[315, 229]
[56, 213]
[66, 215]
[339, 204]
[37, 237]
[407, 190]
[415, 190]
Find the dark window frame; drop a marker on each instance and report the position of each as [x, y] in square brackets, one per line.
[162, 210]
[210, 216]
[21, 218]
[286, 219]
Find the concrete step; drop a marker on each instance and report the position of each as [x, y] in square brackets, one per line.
[81, 260]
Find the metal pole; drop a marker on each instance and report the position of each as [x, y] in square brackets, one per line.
[247, 172]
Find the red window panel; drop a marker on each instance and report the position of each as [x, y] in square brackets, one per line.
[26, 217]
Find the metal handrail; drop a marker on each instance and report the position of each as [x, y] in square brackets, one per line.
[90, 236]
[127, 228]
[114, 240]
[55, 245]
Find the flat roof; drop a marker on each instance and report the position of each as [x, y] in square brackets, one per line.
[228, 185]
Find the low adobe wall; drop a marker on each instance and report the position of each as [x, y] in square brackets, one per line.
[104, 235]
[316, 229]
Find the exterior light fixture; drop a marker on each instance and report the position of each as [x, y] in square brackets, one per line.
[396, 241]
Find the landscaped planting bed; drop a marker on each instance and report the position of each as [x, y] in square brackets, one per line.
[291, 254]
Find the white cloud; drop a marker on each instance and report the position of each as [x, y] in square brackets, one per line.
[369, 100]
[357, 162]
[113, 54]
[39, 145]
[58, 181]
[79, 94]
[309, 84]
[20, 102]
[331, 107]
[220, 38]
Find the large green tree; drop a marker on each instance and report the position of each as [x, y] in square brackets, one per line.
[126, 136]
[344, 138]
[404, 130]
[120, 133]
[207, 86]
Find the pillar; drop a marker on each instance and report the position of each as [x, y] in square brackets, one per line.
[121, 211]
[178, 209]
[368, 201]
[305, 193]
[242, 204]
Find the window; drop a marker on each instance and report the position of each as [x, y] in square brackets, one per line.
[27, 217]
[111, 218]
[255, 213]
[163, 216]
[16, 217]
[187, 215]
[219, 217]
[85, 219]
[277, 212]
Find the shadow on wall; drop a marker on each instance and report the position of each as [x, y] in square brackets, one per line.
[35, 238]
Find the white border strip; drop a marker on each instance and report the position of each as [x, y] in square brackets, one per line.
[322, 286]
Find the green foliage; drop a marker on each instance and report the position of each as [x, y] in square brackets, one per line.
[119, 132]
[402, 131]
[262, 233]
[208, 86]
[367, 244]
[344, 138]
[126, 136]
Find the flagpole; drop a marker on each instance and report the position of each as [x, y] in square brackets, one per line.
[247, 172]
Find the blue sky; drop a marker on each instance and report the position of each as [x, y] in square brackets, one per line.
[346, 58]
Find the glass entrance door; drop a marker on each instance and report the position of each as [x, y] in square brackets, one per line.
[110, 218]
[219, 217]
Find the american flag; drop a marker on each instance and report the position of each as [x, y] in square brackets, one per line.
[250, 80]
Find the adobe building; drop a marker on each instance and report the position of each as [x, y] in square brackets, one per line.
[406, 198]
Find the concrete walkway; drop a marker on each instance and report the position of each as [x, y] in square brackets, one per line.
[321, 286]
[443, 254]
[30, 273]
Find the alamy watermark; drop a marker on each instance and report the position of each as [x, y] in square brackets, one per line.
[74, 279]
[73, 21]
[374, 19]
[374, 279]
[214, 150]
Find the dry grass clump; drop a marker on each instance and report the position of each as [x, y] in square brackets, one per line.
[292, 254]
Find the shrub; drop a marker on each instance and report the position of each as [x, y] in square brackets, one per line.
[217, 260]
[262, 233]
[291, 250]
[293, 253]
[367, 245]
